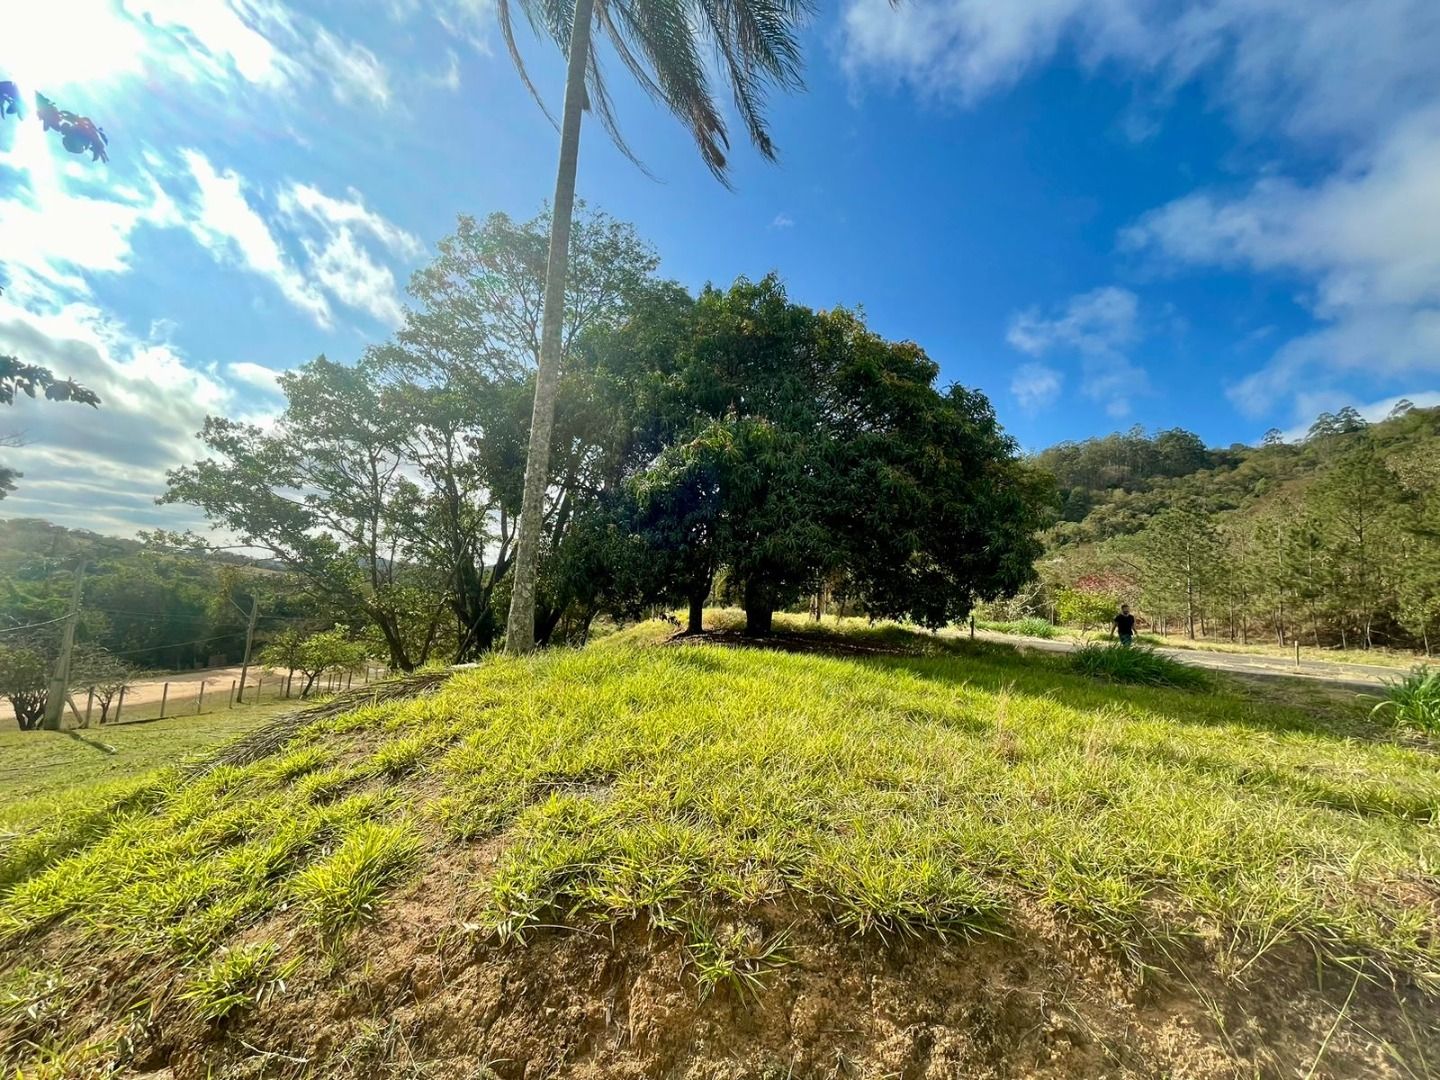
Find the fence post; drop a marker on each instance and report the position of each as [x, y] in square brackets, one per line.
[1297, 652]
[164, 694]
[119, 705]
[200, 697]
[231, 703]
[89, 701]
[259, 682]
[348, 676]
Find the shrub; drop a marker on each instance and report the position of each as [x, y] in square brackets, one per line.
[1414, 701]
[1086, 608]
[1035, 627]
[1135, 664]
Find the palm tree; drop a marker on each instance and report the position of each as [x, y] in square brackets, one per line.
[661, 43]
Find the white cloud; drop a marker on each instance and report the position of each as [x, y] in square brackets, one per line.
[256, 376]
[1100, 322]
[351, 212]
[217, 38]
[331, 231]
[1315, 69]
[52, 238]
[1036, 386]
[1352, 85]
[356, 73]
[101, 469]
[223, 220]
[1373, 411]
[1364, 243]
[783, 221]
[450, 79]
[1099, 327]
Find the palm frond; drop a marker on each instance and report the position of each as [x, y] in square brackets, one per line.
[662, 44]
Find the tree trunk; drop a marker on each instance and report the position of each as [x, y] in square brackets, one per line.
[759, 610]
[696, 623]
[520, 628]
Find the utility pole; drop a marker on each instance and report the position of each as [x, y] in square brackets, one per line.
[249, 640]
[60, 679]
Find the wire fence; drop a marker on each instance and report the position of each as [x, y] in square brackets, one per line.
[152, 700]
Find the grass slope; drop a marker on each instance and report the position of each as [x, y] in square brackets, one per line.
[755, 810]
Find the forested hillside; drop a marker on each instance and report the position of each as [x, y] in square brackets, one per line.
[147, 603]
[1332, 539]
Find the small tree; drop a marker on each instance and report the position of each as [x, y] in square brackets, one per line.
[102, 673]
[285, 650]
[1086, 608]
[24, 677]
[329, 650]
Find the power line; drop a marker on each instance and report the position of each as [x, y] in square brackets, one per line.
[33, 625]
[174, 645]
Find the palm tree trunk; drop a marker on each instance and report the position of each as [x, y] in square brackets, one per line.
[520, 628]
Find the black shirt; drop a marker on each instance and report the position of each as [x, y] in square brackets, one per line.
[1125, 624]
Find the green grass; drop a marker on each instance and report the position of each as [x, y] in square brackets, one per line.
[37, 765]
[1137, 664]
[345, 888]
[1414, 701]
[238, 979]
[947, 789]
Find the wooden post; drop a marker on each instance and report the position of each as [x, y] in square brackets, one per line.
[231, 703]
[348, 676]
[249, 641]
[259, 682]
[1297, 652]
[89, 701]
[200, 697]
[119, 705]
[164, 694]
[60, 679]
[972, 627]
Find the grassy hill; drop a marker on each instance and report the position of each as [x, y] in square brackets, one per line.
[877, 853]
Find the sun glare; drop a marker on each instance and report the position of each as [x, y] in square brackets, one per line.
[68, 43]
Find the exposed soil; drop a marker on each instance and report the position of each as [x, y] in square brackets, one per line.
[422, 994]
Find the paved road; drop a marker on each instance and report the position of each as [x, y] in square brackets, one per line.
[1351, 676]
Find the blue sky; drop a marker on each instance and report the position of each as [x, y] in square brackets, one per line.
[1222, 214]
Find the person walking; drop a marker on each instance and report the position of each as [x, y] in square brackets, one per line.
[1124, 625]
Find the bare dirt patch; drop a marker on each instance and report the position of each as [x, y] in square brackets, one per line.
[423, 996]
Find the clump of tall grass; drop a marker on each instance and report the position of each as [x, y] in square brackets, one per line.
[1138, 664]
[1030, 626]
[239, 978]
[1414, 701]
[345, 889]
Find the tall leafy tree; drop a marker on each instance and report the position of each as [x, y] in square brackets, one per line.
[460, 374]
[663, 44]
[808, 450]
[325, 492]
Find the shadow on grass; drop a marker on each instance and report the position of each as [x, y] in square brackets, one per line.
[104, 748]
[995, 667]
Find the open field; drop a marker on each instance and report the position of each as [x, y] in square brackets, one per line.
[36, 764]
[871, 853]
